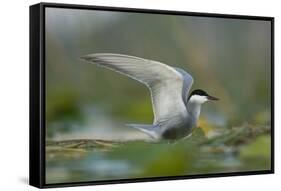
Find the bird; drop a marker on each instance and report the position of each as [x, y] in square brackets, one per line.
[175, 112]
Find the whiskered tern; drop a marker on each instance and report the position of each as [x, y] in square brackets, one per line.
[175, 113]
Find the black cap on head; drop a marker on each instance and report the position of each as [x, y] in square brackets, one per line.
[198, 92]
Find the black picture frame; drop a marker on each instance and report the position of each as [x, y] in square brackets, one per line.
[37, 94]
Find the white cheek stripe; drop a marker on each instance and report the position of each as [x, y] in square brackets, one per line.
[198, 99]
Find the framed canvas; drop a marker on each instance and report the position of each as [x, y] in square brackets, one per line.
[122, 95]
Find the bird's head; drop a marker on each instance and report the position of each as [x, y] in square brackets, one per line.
[200, 97]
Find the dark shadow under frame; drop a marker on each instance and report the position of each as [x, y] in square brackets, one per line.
[37, 95]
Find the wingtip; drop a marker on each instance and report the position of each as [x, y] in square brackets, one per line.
[91, 57]
[85, 57]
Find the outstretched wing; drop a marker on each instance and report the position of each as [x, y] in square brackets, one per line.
[164, 82]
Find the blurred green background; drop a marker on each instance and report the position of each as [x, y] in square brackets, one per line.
[87, 106]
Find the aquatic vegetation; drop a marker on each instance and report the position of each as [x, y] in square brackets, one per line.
[242, 148]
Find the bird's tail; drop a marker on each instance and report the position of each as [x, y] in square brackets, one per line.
[151, 130]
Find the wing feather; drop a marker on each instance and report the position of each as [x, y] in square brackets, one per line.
[164, 82]
[187, 83]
